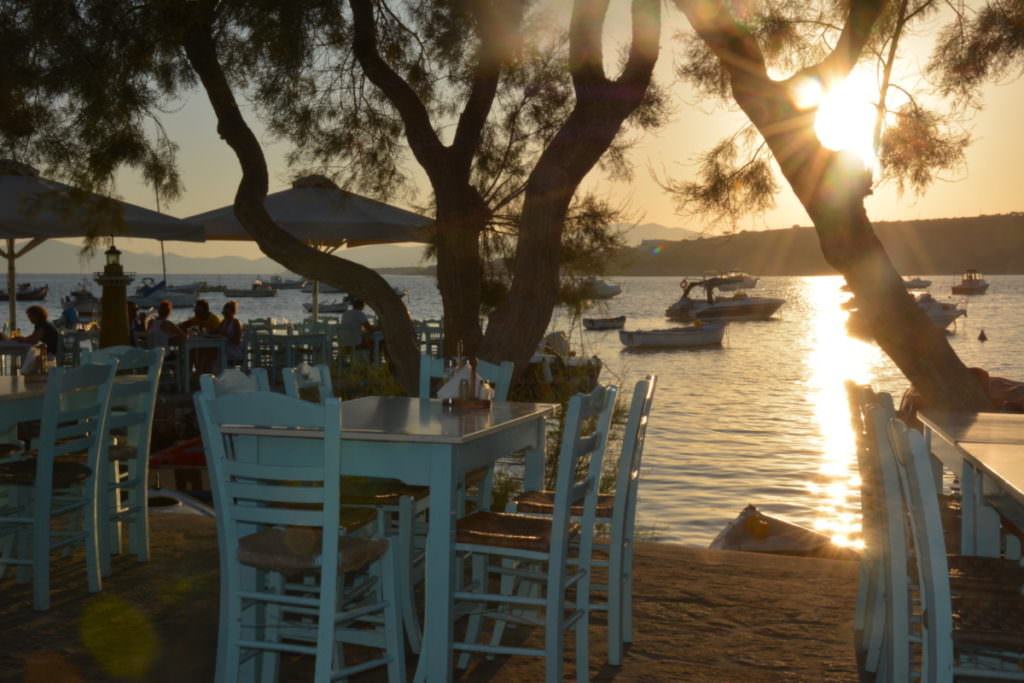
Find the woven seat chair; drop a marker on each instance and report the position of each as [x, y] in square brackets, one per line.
[57, 480]
[899, 631]
[293, 583]
[618, 511]
[124, 468]
[538, 584]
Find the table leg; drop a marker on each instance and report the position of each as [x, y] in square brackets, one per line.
[435, 663]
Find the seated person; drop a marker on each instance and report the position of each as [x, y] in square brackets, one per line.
[203, 319]
[43, 330]
[355, 326]
[162, 332]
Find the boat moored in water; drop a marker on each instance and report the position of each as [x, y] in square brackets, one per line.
[328, 307]
[971, 283]
[278, 282]
[739, 306]
[257, 289]
[941, 313]
[595, 288]
[604, 323]
[26, 292]
[732, 280]
[150, 294]
[699, 334]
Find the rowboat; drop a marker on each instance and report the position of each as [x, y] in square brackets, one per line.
[696, 335]
[604, 323]
[753, 531]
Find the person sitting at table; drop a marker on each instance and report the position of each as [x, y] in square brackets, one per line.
[203, 319]
[231, 327]
[355, 326]
[43, 330]
[162, 332]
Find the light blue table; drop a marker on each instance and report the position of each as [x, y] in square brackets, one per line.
[423, 443]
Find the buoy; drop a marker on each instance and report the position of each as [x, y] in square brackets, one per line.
[982, 336]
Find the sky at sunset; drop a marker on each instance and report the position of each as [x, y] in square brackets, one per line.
[989, 185]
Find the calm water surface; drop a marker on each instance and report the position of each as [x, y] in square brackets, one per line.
[761, 420]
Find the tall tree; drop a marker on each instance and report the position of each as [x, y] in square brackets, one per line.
[831, 186]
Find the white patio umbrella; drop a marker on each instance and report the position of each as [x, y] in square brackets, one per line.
[318, 212]
[36, 209]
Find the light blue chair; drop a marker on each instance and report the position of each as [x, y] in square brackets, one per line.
[539, 584]
[618, 511]
[124, 465]
[278, 499]
[49, 486]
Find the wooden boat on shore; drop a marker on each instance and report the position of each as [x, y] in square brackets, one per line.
[26, 292]
[697, 335]
[753, 531]
[604, 323]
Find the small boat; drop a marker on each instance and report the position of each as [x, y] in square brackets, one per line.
[739, 306]
[941, 313]
[328, 307]
[257, 289]
[324, 288]
[85, 303]
[732, 280]
[277, 282]
[604, 323]
[595, 288]
[26, 292]
[699, 334]
[971, 283]
[197, 286]
[151, 293]
[916, 283]
[753, 531]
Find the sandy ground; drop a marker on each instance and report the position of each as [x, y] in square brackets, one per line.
[700, 615]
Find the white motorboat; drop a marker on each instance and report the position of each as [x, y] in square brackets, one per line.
[604, 323]
[941, 313]
[733, 280]
[257, 289]
[278, 282]
[916, 283]
[699, 334]
[739, 306]
[150, 294]
[328, 307]
[971, 283]
[595, 288]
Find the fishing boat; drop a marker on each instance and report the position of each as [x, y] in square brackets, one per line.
[739, 306]
[257, 289]
[595, 288]
[753, 531]
[328, 307]
[278, 282]
[697, 335]
[604, 323]
[26, 292]
[85, 303]
[150, 293]
[971, 282]
[941, 313]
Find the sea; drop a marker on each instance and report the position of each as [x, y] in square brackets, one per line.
[762, 420]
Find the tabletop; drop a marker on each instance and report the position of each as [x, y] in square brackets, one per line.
[1005, 428]
[14, 387]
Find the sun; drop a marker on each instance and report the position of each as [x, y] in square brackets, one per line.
[846, 114]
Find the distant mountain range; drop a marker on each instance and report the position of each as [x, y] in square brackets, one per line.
[993, 244]
[61, 257]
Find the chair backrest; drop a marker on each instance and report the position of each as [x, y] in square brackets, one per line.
[306, 376]
[578, 477]
[499, 374]
[132, 404]
[274, 461]
[627, 479]
[234, 381]
[75, 410]
[921, 502]
[305, 348]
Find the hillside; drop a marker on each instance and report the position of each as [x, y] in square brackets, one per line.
[993, 244]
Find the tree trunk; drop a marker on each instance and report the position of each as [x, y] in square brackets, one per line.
[280, 245]
[460, 222]
[832, 187]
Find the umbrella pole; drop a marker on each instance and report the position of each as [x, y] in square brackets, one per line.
[163, 261]
[316, 300]
[11, 288]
